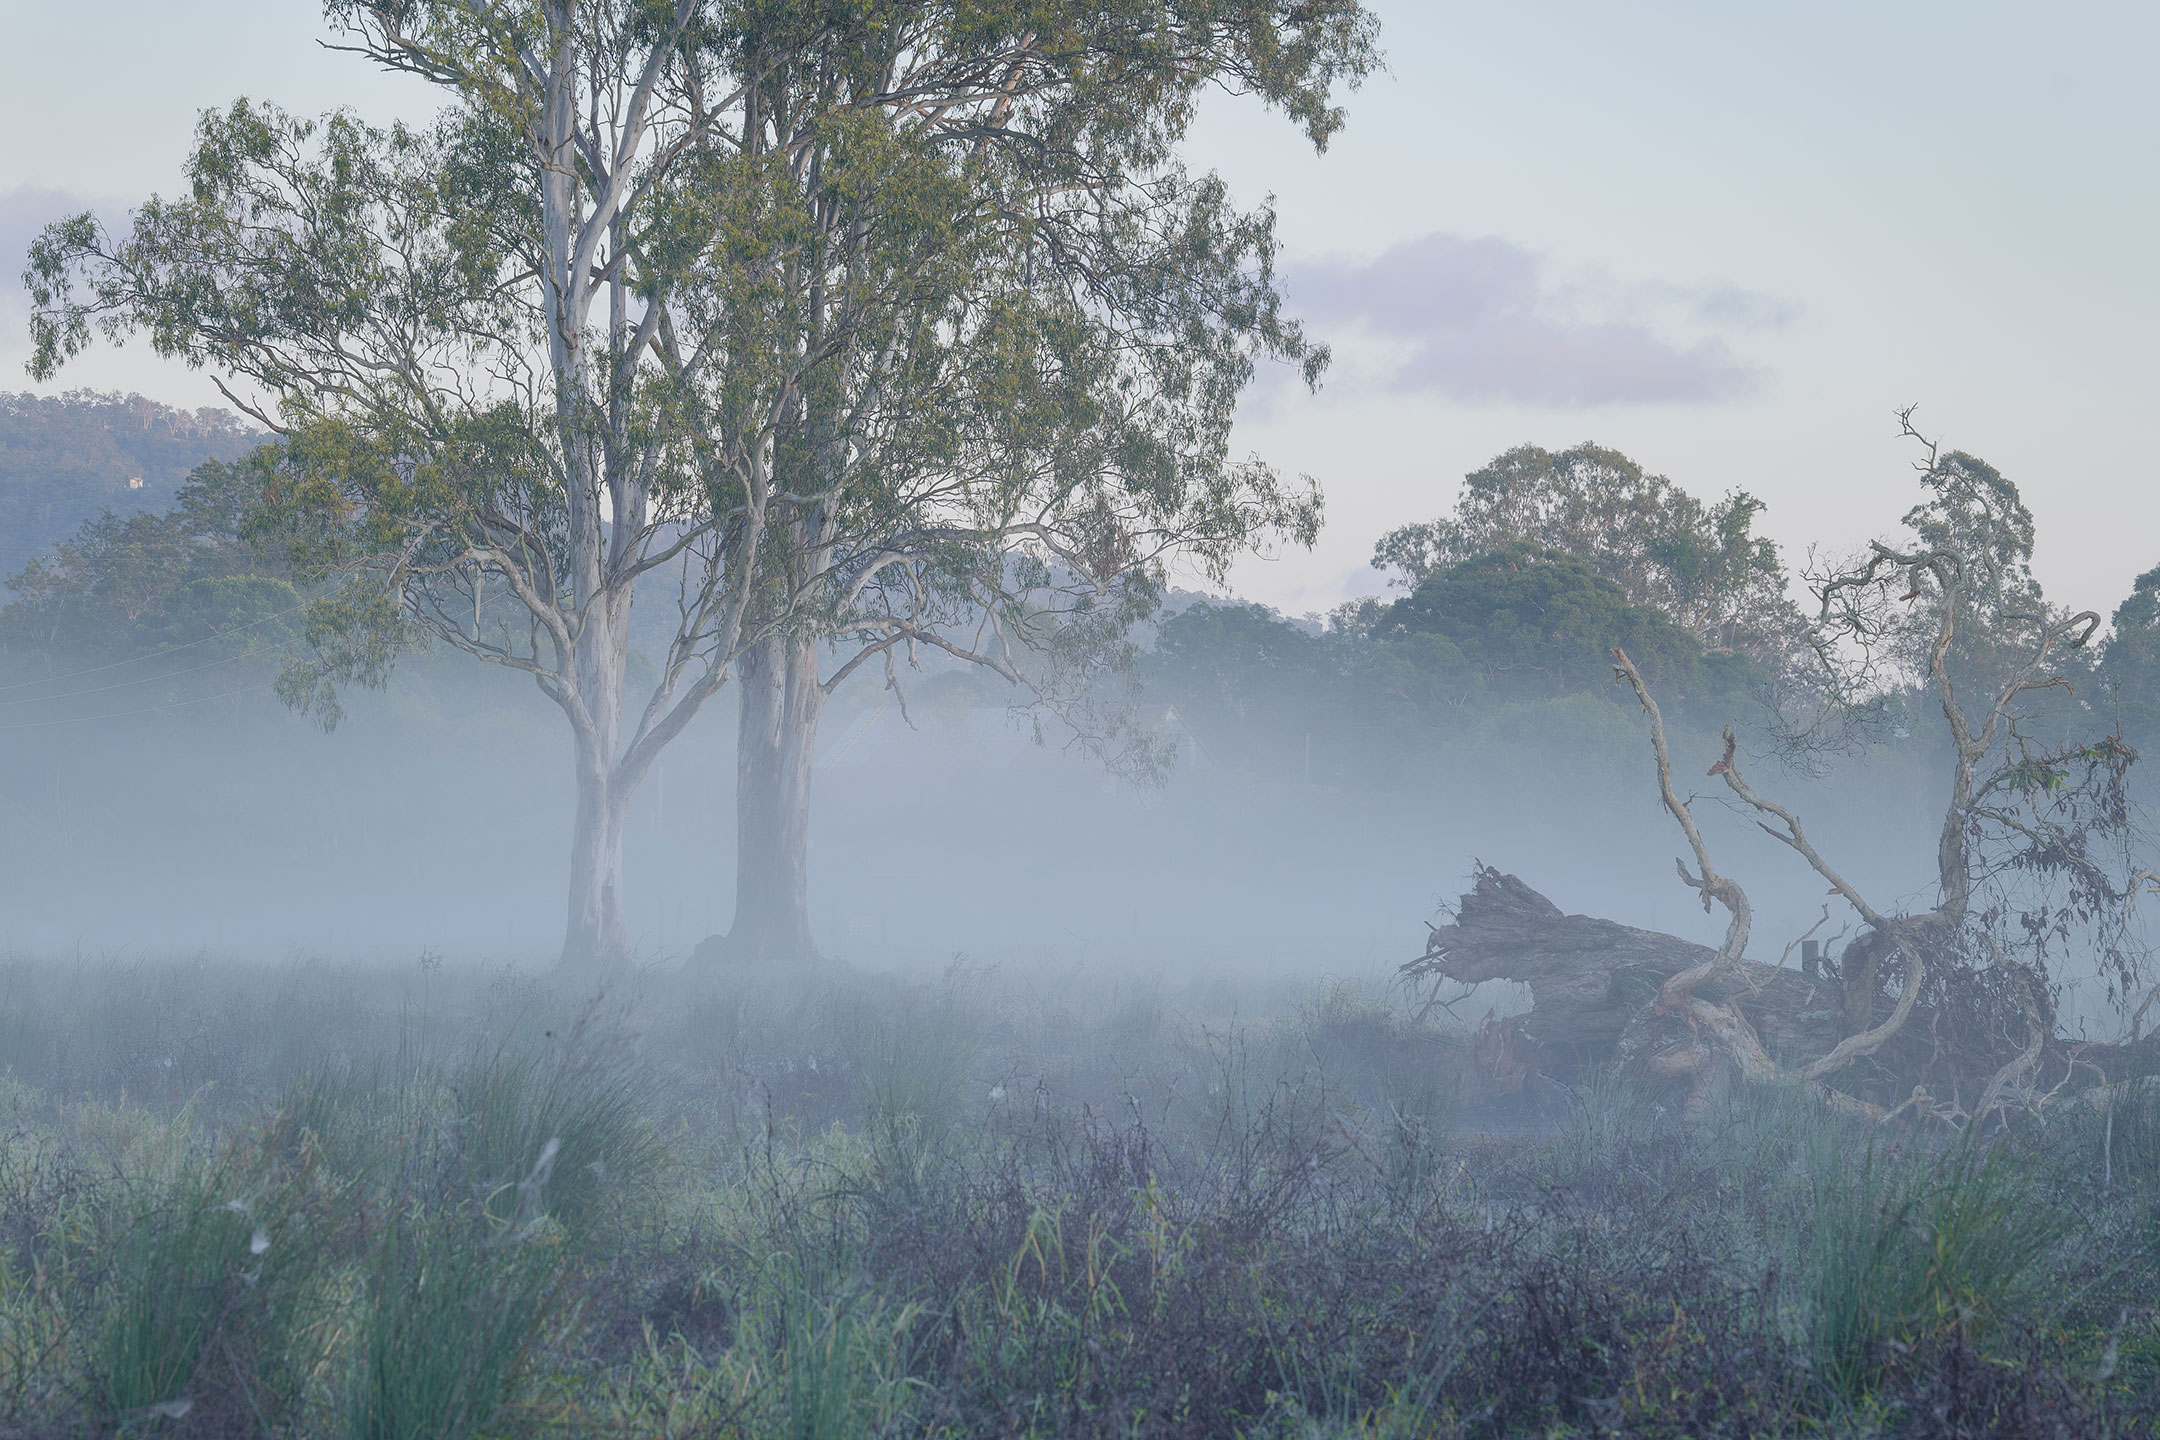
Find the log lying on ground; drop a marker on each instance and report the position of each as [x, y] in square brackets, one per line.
[1589, 977]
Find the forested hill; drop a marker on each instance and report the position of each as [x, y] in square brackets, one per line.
[63, 459]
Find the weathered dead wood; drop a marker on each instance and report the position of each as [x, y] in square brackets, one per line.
[1589, 977]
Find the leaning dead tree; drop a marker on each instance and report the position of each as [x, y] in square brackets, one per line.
[1947, 1012]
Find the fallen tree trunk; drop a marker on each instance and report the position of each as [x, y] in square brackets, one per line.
[1590, 977]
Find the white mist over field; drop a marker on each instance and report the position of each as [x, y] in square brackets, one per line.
[436, 817]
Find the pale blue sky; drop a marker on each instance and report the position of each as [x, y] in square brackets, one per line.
[1727, 239]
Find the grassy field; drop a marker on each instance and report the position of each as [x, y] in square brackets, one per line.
[467, 1201]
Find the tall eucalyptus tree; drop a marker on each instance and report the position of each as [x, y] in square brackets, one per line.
[1017, 330]
[486, 348]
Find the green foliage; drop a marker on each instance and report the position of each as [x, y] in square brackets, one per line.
[454, 1307]
[1030, 326]
[1702, 565]
[874, 347]
[463, 1202]
[198, 575]
[1975, 512]
[1249, 682]
[580, 1126]
[1515, 646]
[204, 1271]
[839, 1357]
[529, 1130]
[1154, 1228]
[2131, 664]
[176, 1274]
[1534, 620]
[893, 355]
[1548, 563]
[813, 1356]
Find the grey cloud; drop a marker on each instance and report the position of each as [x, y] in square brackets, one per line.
[1483, 319]
[1730, 307]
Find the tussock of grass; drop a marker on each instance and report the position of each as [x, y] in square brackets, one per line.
[453, 1307]
[1917, 1248]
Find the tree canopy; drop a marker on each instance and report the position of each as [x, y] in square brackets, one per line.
[157, 580]
[1390, 686]
[1540, 620]
[1548, 562]
[1702, 564]
[2132, 660]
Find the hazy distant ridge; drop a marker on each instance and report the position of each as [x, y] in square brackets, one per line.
[65, 458]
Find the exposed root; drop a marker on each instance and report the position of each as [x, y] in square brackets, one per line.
[2014, 1075]
[1855, 1047]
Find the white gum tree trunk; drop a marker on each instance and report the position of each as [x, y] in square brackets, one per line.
[777, 748]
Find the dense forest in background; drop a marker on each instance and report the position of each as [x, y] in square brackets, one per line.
[128, 528]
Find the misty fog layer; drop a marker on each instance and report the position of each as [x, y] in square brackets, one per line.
[433, 818]
[1326, 787]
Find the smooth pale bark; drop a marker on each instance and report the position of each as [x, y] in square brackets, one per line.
[782, 701]
[594, 932]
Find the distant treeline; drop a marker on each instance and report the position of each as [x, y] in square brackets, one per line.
[1506, 610]
[1509, 607]
[138, 655]
[134, 540]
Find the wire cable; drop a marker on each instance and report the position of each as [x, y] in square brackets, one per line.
[125, 684]
[152, 655]
[146, 710]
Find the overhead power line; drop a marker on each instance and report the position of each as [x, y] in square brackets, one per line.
[150, 655]
[124, 684]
